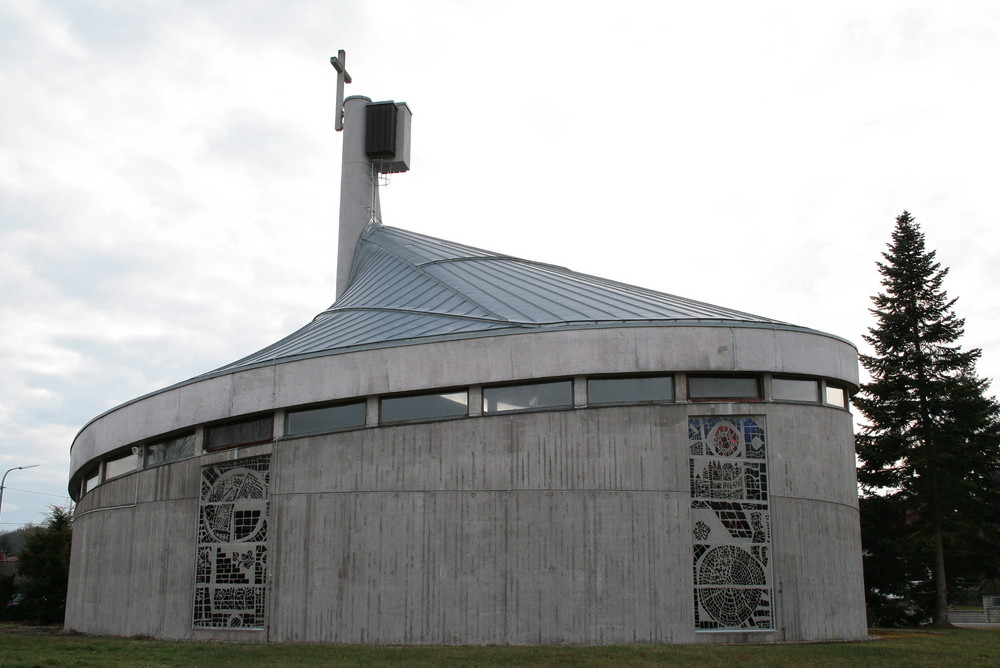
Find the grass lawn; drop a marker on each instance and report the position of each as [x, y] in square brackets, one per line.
[29, 648]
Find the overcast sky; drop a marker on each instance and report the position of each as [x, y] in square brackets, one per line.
[169, 170]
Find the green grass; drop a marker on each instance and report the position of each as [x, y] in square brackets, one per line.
[960, 647]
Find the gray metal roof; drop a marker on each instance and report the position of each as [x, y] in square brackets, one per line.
[407, 286]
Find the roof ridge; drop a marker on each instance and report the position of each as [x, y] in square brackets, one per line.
[419, 269]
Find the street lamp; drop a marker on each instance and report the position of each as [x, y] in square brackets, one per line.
[4, 479]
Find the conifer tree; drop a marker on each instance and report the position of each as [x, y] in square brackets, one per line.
[44, 563]
[931, 442]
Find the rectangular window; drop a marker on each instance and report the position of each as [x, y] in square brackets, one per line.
[244, 432]
[793, 389]
[630, 390]
[120, 465]
[328, 418]
[723, 387]
[170, 450]
[425, 406]
[836, 396]
[92, 479]
[532, 396]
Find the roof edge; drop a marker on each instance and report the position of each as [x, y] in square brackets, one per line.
[514, 329]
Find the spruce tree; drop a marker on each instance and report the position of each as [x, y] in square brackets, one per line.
[930, 446]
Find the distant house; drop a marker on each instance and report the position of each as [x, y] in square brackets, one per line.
[8, 564]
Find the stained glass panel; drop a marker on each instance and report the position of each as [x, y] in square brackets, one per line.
[730, 524]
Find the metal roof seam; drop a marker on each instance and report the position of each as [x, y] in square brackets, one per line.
[495, 258]
[529, 281]
[390, 309]
[409, 286]
[568, 294]
[629, 288]
[417, 268]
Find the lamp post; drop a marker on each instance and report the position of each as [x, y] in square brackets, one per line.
[4, 479]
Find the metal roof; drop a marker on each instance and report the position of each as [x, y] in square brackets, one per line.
[407, 286]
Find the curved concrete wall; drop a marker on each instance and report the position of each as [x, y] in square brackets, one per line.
[459, 362]
[570, 526]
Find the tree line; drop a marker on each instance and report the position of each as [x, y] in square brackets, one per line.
[37, 592]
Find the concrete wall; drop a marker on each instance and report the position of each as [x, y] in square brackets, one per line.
[567, 526]
[463, 362]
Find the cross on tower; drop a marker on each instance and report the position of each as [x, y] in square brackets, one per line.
[339, 63]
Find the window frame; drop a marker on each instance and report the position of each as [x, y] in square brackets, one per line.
[845, 395]
[725, 397]
[630, 377]
[529, 409]
[817, 384]
[129, 454]
[207, 447]
[95, 474]
[145, 464]
[413, 395]
[362, 403]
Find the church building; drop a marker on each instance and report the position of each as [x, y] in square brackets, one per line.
[474, 448]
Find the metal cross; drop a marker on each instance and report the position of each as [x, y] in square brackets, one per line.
[339, 63]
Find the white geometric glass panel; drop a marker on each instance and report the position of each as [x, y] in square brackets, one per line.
[231, 565]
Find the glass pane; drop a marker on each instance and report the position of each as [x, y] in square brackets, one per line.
[524, 397]
[629, 390]
[247, 432]
[170, 450]
[92, 480]
[120, 465]
[425, 406]
[836, 396]
[328, 418]
[791, 389]
[722, 387]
